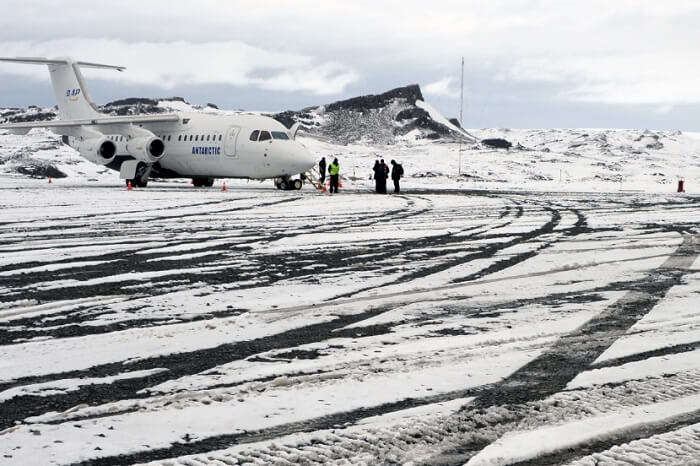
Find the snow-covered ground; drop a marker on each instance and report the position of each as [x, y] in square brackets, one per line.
[539, 304]
[444, 325]
[568, 160]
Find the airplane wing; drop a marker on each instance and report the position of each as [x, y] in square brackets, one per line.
[101, 121]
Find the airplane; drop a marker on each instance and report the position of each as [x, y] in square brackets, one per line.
[193, 145]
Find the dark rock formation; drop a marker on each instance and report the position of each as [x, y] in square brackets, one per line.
[409, 113]
[373, 118]
[498, 143]
[410, 93]
[40, 171]
[132, 101]
[31, 116]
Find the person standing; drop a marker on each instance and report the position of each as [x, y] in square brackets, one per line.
[322, 169]
[378, 177]
[385, 176]
[396, 174]
[334, 171]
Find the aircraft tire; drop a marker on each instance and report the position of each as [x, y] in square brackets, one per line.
[297, 184]
[199, 182]
[141, 178]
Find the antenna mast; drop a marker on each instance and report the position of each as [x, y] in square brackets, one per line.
[461, 123]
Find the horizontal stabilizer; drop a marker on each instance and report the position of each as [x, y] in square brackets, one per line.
[59, 61]
[117, 120]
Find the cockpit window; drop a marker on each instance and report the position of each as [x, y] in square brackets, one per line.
[264, 136]
[279, 135]
[254, 135]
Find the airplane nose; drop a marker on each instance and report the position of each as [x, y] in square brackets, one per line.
[305, 158]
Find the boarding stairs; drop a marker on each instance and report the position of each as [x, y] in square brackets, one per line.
[315, 178]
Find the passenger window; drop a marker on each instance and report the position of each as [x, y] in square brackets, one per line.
[196, 138]
[219, 137]
[279, 135]
[169, 136]
[254, 135]
[264, 136]
[208, 137]
[179, 137]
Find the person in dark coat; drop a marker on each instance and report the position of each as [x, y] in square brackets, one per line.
[379, 179]
[385, 170]
[396, 174]
[322, 169]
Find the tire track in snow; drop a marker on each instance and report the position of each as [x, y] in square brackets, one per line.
[177, 365]
[680, 447]
[126, 262]
[334, 438]
[545, 376]
[550, 372]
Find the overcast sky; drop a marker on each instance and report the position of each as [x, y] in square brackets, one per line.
[556, 63]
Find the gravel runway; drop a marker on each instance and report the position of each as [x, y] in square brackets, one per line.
[185, 326]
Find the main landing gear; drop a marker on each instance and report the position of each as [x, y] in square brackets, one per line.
[286, 184]
[140, 180]
[200, 181]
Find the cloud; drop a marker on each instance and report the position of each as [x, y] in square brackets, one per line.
[561, 55]
[664, 109]
[179, 63]
[628, 79]
[444, 87]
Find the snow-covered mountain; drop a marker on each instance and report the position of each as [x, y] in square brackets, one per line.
[400, 114]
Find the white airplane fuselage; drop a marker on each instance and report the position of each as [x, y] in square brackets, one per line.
[220, 146]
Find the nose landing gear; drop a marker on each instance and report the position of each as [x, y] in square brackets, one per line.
[199, 181]
[286, 184]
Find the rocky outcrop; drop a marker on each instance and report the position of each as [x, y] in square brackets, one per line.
[409, 93]
[497, 143]
[40, 171]
[382, 118]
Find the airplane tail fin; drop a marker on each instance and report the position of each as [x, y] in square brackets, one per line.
[72, 96]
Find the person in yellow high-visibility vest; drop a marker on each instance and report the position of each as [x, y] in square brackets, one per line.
[334, 171]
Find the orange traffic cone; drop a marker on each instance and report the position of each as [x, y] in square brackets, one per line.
[340, 184]
[324, 189]
[223, 188]
[50, 181]
[129, 187]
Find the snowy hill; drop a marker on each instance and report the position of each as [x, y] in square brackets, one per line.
[540, 159]
[400, 114]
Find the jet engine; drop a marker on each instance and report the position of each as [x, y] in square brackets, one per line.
[148, 149]
[97, 150]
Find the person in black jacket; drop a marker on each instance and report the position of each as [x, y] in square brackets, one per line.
[396, 174]
[322, 169]
[379, 178]
[385, 169]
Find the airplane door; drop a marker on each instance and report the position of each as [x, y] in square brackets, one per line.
[230, 142]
